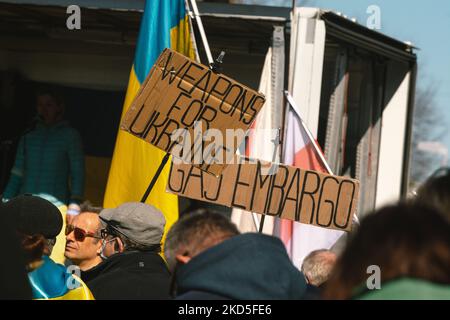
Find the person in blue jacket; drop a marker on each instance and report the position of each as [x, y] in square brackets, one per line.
[49, 160]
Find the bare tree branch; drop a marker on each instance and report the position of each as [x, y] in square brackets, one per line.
[428, 125]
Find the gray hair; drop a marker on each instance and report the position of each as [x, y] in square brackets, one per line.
[317, 266]
[87, 206]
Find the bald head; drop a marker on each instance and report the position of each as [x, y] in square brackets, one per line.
[317, 266]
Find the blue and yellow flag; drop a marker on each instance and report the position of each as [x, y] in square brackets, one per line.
[164, 24]
[53, 281]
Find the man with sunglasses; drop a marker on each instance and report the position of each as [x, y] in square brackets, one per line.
[83, 241]
[131, 246]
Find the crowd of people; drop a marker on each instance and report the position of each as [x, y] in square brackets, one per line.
[119, 254]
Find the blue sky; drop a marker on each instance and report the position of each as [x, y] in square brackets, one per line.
[424, 23]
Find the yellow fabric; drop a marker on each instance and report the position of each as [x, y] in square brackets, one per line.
[180, 39]
[60, 246]
[97, 169]
[133, 166]
[80, 293]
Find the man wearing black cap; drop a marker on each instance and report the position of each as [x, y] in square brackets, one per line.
[31, 215]
[14, 284]
[133, 268]
[37, 222]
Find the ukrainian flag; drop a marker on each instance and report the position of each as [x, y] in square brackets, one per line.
[164, 25]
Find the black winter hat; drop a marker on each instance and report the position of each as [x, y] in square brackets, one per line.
[32, 215]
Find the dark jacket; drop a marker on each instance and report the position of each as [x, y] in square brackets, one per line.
[248, 266]
[14, 283]
[312, 293]
[130, 275]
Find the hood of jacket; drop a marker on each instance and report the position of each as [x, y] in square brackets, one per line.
[247, 266]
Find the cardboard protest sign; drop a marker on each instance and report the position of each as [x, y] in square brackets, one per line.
[292, 193]
[180, 93]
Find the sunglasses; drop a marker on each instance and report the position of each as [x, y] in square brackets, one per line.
[110, 230]
[79, 233]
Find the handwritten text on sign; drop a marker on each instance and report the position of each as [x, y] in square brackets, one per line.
[178, 93]
[301, 195]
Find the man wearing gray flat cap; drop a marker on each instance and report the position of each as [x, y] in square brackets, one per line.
[132, 267]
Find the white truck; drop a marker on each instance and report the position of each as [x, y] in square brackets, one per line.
[355, 86]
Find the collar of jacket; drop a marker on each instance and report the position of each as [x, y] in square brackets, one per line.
[125, 260]
[247, 266]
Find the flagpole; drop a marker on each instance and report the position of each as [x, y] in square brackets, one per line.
[210, 60]
[155, 177]
[311, 138]
[276, 141]
[261, 224]
[198, 19]
[202, 31]
[255, 220]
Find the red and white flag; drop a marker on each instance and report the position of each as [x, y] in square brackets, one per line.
[299, 151]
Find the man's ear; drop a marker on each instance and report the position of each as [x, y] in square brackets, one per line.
[307, 279]
[121, 247]
[99, 250]
[182, 259]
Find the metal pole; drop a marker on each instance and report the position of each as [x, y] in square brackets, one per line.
[155, 177]
[202, 31]
[276, 141]
[198, 19]
[310, 136]
[255, 220]
[261, 224]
